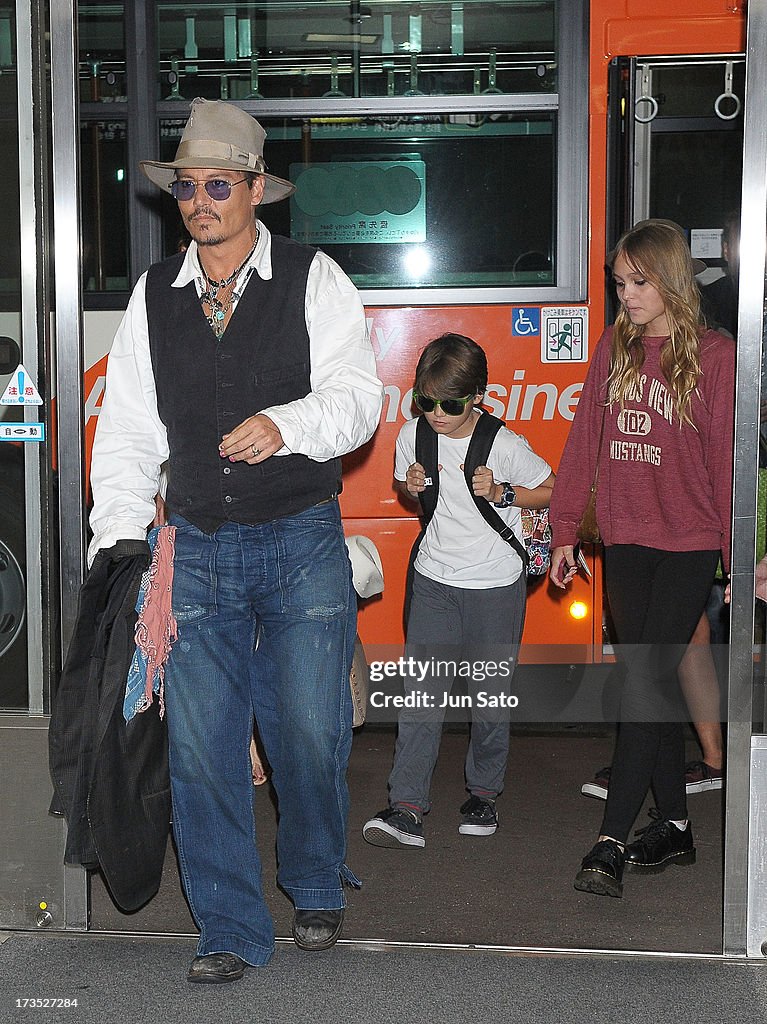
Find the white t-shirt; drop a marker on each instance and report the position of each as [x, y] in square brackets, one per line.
[460, 548]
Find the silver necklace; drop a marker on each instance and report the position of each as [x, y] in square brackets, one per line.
[218, 305]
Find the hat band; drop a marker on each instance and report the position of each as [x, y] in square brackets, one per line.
[203, 149]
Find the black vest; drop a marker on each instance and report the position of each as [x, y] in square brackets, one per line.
[206, 388]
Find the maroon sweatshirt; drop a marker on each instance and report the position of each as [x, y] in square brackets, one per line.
[660, 485]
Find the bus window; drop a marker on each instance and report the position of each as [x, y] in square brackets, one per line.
[691, 89]
[716, 156]
[689, 133]
[101, 41]
[105, 184]
[402, 202]
[298, 50]
[10, 283]
[455, 166]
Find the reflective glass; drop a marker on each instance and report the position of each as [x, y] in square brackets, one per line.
[101, 41]
[717, 158]
[692, 90]
[378, 48]
[687, 133]
[413, 202]
[13, 633]
[9, 141]
[104, 177]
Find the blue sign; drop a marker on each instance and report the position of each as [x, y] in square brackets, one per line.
[22, 431]
[525, 321]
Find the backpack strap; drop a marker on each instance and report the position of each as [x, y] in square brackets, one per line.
[482, 438]
[479, 449]
[427, 454]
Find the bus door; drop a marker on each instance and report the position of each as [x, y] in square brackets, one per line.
[683, 146]
[40, 552]
[671, 120]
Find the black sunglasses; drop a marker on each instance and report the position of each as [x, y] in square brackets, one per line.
[219, 189]
[450, 406]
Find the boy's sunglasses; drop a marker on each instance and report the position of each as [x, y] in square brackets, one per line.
[450, 406]
[217, 188]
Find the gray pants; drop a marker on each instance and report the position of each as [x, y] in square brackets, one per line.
[469, 628]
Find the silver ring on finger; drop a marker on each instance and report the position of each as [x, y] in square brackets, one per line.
[256, 451]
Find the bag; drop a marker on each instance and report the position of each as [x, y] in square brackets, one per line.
[359, 682]
[537, 534]
[587, 530]
[367, 579]
[535, 554]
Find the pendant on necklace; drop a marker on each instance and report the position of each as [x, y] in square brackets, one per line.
[219, 306]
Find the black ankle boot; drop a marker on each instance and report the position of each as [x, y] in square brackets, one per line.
[661, 843]
[602, 870]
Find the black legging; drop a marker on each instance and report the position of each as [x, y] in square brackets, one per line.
[656, 599]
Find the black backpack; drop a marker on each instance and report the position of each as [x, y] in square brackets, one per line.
[426, 448]
[426, 453]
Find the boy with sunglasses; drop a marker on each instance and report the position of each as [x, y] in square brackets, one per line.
[468, 595]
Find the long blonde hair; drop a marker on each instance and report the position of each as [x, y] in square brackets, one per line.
[658, 251]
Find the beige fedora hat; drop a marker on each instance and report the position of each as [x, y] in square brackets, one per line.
[220, 135]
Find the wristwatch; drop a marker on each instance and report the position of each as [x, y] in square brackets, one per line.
[508, 496]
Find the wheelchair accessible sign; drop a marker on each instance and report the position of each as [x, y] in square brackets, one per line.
[525, 321]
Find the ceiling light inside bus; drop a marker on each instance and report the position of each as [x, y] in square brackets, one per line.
[579, 610]
[417, 262]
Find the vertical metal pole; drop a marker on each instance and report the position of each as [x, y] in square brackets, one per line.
[571, 217]
[747, 404]
[356, 23]
[642, 144]
[68, 293]
[69, 358]
[143, 135]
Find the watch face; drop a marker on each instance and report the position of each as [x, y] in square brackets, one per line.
[508, 496]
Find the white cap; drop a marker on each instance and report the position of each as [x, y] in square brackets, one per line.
[367, 570]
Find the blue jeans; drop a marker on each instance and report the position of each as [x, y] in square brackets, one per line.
[266, 624]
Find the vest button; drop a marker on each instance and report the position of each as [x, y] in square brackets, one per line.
[228, 498]
[227, 470]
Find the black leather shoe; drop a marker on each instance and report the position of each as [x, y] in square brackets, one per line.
[602, 870]
[216, 968]
[660, 844]
[317, 929]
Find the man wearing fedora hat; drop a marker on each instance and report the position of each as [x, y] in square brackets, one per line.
[243, 365]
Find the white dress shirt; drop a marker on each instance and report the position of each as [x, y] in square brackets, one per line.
[338, 415]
